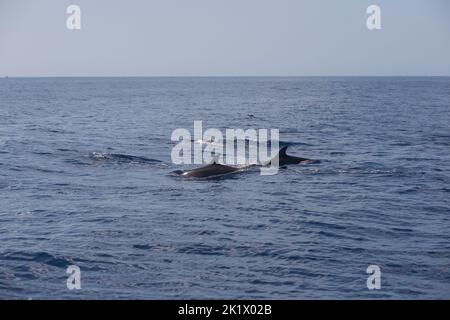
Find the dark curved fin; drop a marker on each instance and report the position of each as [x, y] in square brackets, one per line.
[282, 152]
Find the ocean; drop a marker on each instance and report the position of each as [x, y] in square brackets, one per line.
[85, 180]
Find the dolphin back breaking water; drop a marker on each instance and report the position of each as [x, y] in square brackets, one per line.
[215, 169]
[212, 170]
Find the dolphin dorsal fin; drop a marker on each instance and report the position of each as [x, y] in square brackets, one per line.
[282, 152]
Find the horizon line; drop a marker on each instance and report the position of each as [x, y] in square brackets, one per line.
[224, 76]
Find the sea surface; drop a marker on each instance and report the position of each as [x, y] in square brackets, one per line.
[85, 180]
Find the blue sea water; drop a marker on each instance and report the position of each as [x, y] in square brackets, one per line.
[85, 180]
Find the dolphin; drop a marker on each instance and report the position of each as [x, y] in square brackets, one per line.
[215, 169]
[284, 159]
[212, 170]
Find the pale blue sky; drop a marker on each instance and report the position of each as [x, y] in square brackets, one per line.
[224, 37]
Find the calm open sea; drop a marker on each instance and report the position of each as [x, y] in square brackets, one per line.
[84, 180]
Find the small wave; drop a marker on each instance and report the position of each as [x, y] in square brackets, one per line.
[121, 158]
[65, 150]
[202, 249]
[371, 168]
[337, 153]
[142, 246]
[41, 257]
[349, 171]
[358, 170]
[42, 153]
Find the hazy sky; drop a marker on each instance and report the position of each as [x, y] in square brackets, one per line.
[224, 37]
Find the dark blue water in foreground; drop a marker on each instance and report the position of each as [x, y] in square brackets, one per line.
[80, 183]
